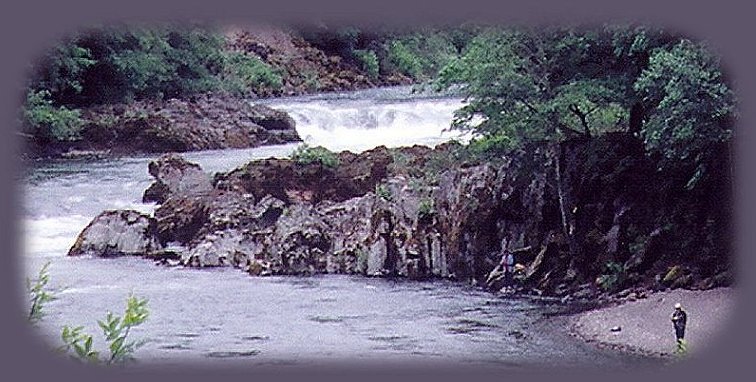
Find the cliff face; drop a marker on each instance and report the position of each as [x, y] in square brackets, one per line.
[583, 217]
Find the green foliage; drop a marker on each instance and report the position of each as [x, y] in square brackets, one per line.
[61, 68]
[244, 72]
[404, 60]
[305, 154]
[534, 85]
[368, 61]
[490, 147]
[81, 343]
[108, 64]
[362, 260]
[553, 83]
[422, 54]
[383, 192]
[38, 293]
[116, 330]
[426, 209]
[613, 277]
[50, 122]
[137, 62]
[694, 106]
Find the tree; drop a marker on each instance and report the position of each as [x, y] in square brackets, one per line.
[531, 85]
[692, 106]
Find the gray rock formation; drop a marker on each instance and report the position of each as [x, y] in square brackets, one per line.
[578, 222]
[173, 176]
[178, 125]
[114, 233]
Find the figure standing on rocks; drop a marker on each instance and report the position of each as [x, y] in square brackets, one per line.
[679, 319]
[507, 264]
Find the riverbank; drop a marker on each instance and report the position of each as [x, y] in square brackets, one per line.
[645, 325]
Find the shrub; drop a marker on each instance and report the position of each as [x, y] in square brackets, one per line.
[244, 72]
[490, 147]
[383, 192]
[368, 61]
[362, 260]
[116, 330]
[38, 293]
[305, 154]
[310, 80]
[426, 208]
[613, 278]
[116, 64]
[50, 122]
[404, 60]
[421, 55]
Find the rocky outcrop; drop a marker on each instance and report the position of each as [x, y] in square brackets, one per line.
[579, 217]
[177, 125]
[174, 175]
[290, 181]
[304, 68]
[114, 233]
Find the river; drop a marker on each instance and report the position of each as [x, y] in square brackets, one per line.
[222, 315]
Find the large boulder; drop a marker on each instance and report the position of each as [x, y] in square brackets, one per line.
[271, 119]
[114, 233]
[181, 217]
[175, 175]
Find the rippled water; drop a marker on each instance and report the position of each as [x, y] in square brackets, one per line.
[223, 315]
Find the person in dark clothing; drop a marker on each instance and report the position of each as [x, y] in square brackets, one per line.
[507, 264]
[679, 320]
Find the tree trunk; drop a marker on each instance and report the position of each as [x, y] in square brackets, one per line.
[567, 224]
[636, 119]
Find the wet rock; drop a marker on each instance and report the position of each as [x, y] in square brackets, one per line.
[204, 122]
[214, 250]
[181, 217]
[114, 233]
[271, 119]
[295, 182]
[174, 176]
[300, 241]
[368, 216]
[221, 228]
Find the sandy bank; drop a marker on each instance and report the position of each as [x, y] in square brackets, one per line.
[645, 324]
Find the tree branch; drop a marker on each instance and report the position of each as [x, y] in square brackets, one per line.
[582, 116]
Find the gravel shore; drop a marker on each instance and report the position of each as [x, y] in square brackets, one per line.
[645, 324]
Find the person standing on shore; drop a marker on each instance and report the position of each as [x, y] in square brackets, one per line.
[679, 320]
